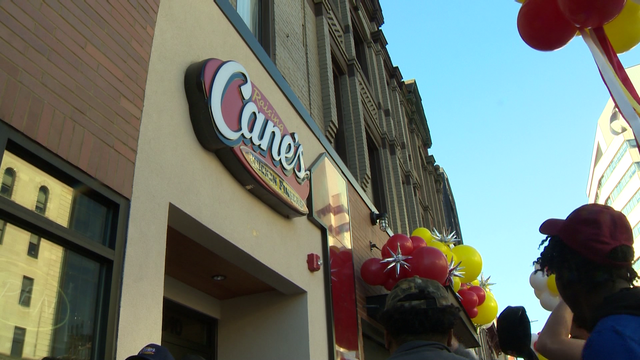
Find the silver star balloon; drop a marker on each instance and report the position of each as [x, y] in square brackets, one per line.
[455, 270]
[397, 260]
[484, 283]
[446, 238]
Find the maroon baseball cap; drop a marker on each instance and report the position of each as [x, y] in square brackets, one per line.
[593, 230]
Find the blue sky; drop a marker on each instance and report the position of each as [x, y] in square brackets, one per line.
[513, 127]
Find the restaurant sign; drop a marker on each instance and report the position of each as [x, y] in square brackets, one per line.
[232, 118]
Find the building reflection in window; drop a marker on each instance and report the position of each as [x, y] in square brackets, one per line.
[331, 208]
[48, 293]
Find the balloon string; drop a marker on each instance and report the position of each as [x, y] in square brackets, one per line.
[618, 68]
[619, 94]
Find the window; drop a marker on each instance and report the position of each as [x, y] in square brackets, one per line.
[340, 142]
[79, 247]
[257, 15]
[26, 292]
[18, 341]
[375, 166]
[41, 202]
[34, 246]
[8, 179]
[3, 227]
[361, 53]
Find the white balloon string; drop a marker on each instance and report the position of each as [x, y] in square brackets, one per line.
[618, 92]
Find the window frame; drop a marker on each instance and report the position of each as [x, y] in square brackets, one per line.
[42, 205]
[26, 292]
[13, 341]
[34, 253]
[13, 181]
[110, 256]
[266, 31]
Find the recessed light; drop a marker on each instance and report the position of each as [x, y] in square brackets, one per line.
[218, 277]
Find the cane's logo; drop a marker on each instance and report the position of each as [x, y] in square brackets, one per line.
[234, 119]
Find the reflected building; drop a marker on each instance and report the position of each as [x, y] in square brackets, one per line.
[614, 175]
[37, 276]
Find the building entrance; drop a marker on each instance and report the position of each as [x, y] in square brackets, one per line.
[188, 332]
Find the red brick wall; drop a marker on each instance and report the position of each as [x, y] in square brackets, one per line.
[73, 77]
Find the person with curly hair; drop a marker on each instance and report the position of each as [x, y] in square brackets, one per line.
[418, 318]
[591, 254]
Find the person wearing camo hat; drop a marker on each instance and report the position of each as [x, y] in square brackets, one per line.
[418, 318]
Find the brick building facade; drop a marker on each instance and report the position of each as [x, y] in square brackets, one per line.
[92, 95]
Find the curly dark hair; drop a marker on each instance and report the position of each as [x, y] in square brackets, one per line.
[410, 322]
[559, 257]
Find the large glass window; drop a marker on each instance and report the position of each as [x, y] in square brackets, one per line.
[331, 210]
[59, 283]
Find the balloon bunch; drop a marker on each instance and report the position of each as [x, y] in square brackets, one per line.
[548, 25]
[545, 289]
[434, 256]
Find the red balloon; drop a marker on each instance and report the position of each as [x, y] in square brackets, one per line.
[418, 242]
[429, 263]
[591, 13]
[390, 283]
[472, 313]
[372, 272]
[406, 246]
[543, 26]
[479, 293]
[346, 256]
[469, 300]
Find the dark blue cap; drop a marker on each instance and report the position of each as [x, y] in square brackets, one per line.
[152, 352]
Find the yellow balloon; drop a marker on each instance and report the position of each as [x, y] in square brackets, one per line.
[624, 31]
[423, 233]
[551, 284]
[456, 284]
[487, 311]
[438, 245]
[471, 260]
[475, 282]
[540, 357]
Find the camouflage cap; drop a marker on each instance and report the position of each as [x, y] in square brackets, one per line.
[419, 293]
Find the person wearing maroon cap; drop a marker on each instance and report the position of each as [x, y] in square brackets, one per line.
[591, 254]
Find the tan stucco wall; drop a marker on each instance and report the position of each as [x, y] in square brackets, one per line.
[172, 167]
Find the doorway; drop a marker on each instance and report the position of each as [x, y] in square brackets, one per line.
[188, 332]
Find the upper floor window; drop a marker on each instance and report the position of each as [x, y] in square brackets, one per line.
[257, 15]
[361, 53]
[43, 197]
[8, 180]
[34, 246]
[26, 291]
[340, 142]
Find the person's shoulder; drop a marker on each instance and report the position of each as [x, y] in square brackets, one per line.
[614, 337]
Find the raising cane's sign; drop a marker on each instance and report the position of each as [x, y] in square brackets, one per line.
[233, 119]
